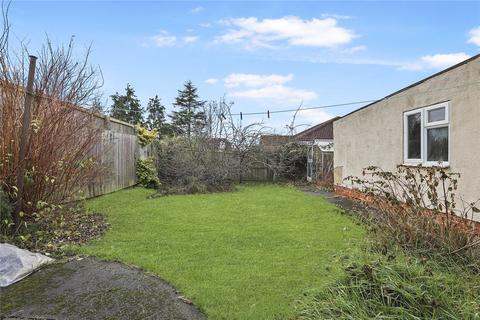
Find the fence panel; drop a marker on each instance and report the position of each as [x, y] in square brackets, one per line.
[258, 173]
[117, 152]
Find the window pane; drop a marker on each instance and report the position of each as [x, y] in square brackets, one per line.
[437, 144]
[414, 136]
[436, 114]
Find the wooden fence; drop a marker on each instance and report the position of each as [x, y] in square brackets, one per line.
[258, 173]
[118, 153]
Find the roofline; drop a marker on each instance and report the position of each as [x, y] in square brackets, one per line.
[416, 83]
[317, 126]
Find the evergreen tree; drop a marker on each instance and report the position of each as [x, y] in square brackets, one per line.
[127, 107]
[119, 109]
[156, 117]
[97, 105]
[189, 119]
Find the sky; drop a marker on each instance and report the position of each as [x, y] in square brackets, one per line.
[260, 55]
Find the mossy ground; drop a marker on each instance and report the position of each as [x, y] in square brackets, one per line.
[91, 289]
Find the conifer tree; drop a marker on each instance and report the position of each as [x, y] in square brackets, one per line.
[156, 117]
[188, 118]
[127, 107]
[97, 105]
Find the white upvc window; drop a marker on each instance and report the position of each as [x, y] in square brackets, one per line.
[427, 135]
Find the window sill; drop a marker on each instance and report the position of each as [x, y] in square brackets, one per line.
[426, 165]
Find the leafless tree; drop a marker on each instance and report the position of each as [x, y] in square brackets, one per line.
[292, 127]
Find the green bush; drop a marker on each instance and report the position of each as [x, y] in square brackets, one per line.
[147, 175]
[390, 287]
[145, 136]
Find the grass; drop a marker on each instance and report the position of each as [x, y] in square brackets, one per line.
[398, 286]
[249, 254]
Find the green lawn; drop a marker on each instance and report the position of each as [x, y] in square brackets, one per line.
[249, 254]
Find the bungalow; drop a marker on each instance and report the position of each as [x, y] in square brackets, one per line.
[435, 120]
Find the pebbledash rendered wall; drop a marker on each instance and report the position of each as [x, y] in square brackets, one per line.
[374, 135]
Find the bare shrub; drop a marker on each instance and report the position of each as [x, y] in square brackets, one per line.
[417, 209]
[194, 165]
[61, 135]
[212, 159]
[288, 162]
[241, 140]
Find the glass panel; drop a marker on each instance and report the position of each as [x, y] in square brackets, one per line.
[414, 136]
[437, 144]
[436, 114]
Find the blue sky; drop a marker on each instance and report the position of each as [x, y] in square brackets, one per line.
[261, 55]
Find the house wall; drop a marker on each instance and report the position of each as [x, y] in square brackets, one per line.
[374, 135]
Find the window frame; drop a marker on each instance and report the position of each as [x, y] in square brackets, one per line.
[425, 125]
[405, 137]
[433, 107]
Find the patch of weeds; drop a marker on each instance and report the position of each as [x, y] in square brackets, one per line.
[398, 287]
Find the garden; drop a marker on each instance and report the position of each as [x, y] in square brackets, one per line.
[196, 230]
[246, 254]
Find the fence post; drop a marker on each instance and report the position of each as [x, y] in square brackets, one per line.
[24, 140]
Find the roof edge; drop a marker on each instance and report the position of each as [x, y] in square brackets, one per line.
[415, 84]
[306, 131]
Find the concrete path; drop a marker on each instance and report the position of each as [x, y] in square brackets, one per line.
[91, 289]
[342, 202]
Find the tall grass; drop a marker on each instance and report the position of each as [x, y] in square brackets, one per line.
[424, 258]
[387, 287]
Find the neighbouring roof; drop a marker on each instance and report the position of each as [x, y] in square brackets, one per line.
[416, 83]
[274, 140]
[323, 130]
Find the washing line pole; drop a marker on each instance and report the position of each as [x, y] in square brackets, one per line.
[24, 140]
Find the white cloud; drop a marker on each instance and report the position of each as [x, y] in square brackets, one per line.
[190, 39]
[436, 61]
[474, 35]
[255, 80]
[353, 50]
[312, 117]
[197, 10]
[163, 39]
[278, 92]
[266, 87]
[335, 16]
[291, 30]
[211, 81]
[205, 25]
